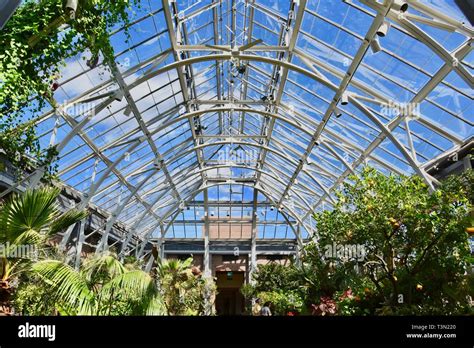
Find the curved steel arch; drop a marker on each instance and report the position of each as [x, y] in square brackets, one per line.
[260, 112]
[217, 143]
[274, 116]
[175, 207]
[243, 167]
[200, 189]
[116, 213]
[224, 109]
[229, 56]
[264, 113]
[239, 109]
[193, 173]
[286, 65]
[200, 112]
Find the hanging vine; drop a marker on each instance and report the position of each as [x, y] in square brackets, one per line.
[34, 46]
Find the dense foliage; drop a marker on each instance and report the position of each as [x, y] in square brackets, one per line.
[278, 284]
[31, 298]
[275, 276]
[414, 257]
[416, 246]
[34, 45]
[45, 284]
[103, 286]
[30, 219]
[184, 291]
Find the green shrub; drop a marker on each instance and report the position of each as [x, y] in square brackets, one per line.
[283, 301]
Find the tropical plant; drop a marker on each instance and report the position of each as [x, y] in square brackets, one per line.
[28, 220]
[326, 306]
[416, 253]
[249, 293]
[274, 275]
[283, 302]
[415, 241]
[34, 44]
[31, 298]
[34, 216]
[321, 277]
[103, 286]
[279, 284]
[359, 301]
[184, 292]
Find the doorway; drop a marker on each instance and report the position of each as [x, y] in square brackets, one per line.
[229, 300]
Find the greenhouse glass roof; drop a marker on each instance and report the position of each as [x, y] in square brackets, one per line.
[257, 110]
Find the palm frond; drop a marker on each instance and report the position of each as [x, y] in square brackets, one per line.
[102, 268]
[131, 284]
[156, 306]
[31, 211]
[7, 268]
[62, 222]
[29, 237]
[17, 267]
[135, 287]
[187, 263]
[174, 266]
[67, 285]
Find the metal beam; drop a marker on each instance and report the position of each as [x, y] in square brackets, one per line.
[185, 77]
[207, 258]
[288, 211]
[460, 53]
[253, 240]
[144, 129]
[340, 90]
[36, 176]
[103, 244]
[7, 9]
[428, 179]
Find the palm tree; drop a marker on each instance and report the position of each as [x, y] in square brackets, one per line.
[103, 286]
[184, 292]
[28, 219]
[173, 275]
